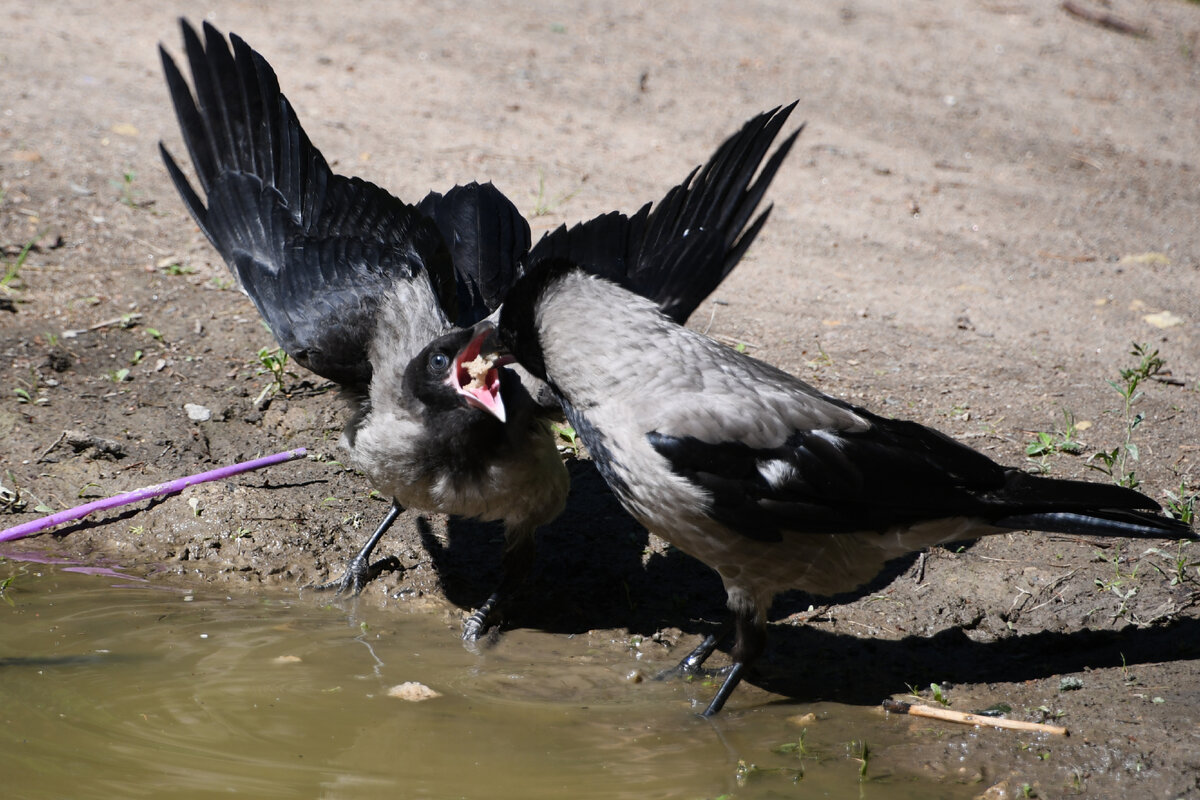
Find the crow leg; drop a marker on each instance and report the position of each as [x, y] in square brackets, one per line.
[358, 570]
[515, 567]
[750, 641]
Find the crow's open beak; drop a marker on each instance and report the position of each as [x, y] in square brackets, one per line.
[476, 374]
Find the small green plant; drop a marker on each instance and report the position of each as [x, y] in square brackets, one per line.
[4, 585]
[23, 395]
[1060, 441]
[1119, 584]
[119, 375]
[130, 196]
[1118, 462]
[796, 748]
[1182, 504]
[273, 362]
[1049, 713]
[936, 693]
[822, 359]
[863, 757]
[176, 268]
[222, 282]
[1181, 561]
[12, 269]
[543, 205]
[87, 487]
[568, 438]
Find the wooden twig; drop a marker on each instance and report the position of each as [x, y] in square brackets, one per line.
[46, 452]
[1104, 20]
[124, 319]
[962, 717]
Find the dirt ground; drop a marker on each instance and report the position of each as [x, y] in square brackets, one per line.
[991, 203]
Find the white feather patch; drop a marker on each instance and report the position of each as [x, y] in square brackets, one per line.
[776, 473]
[829, 436]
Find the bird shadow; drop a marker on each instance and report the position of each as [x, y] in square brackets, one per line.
[595, 569]
[808, 664]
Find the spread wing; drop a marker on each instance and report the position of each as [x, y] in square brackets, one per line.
[486, 237]
[314, 250]
[679, 251]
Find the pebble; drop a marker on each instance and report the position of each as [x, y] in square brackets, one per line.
[197, 413]
[413, 692]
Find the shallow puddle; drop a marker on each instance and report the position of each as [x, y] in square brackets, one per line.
[116, 687]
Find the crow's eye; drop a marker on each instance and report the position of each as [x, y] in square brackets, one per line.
[438, 362]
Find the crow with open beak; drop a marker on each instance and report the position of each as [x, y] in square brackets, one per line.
[765, 479]
[376, 294]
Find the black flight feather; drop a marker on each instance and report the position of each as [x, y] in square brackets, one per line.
[679, 251]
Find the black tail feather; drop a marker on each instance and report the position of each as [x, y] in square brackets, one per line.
[1079, 507]
[1100, 522]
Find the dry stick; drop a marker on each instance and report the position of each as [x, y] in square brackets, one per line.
[1104, 20]
[158, 490]
[897, 707]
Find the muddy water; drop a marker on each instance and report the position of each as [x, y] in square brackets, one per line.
[115, 687]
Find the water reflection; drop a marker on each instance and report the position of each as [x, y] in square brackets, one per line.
[136, 692]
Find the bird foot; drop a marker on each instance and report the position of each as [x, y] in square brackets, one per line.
[692, 665]
[692, 671]
[359, 572]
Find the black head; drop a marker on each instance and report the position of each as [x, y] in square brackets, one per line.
[518, 315]
[459, 371]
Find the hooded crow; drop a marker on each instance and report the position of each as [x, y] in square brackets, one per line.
[377, 295]
[768, 481]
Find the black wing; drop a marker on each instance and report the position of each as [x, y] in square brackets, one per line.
[314, 250]
[677, 253]
[487, 237]
[894, 473]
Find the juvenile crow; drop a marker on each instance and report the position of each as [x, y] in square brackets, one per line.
[376, 295]
[768, 481]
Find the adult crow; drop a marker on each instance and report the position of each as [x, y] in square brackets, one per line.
[765, 479]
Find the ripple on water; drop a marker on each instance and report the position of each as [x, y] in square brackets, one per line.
[136, 692]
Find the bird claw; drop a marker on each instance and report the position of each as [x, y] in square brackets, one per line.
[358, 574]
[692, 665]
[689, 671]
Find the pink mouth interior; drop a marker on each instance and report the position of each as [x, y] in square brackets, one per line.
[487, 396]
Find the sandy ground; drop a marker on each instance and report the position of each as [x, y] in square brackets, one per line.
[991, 203]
